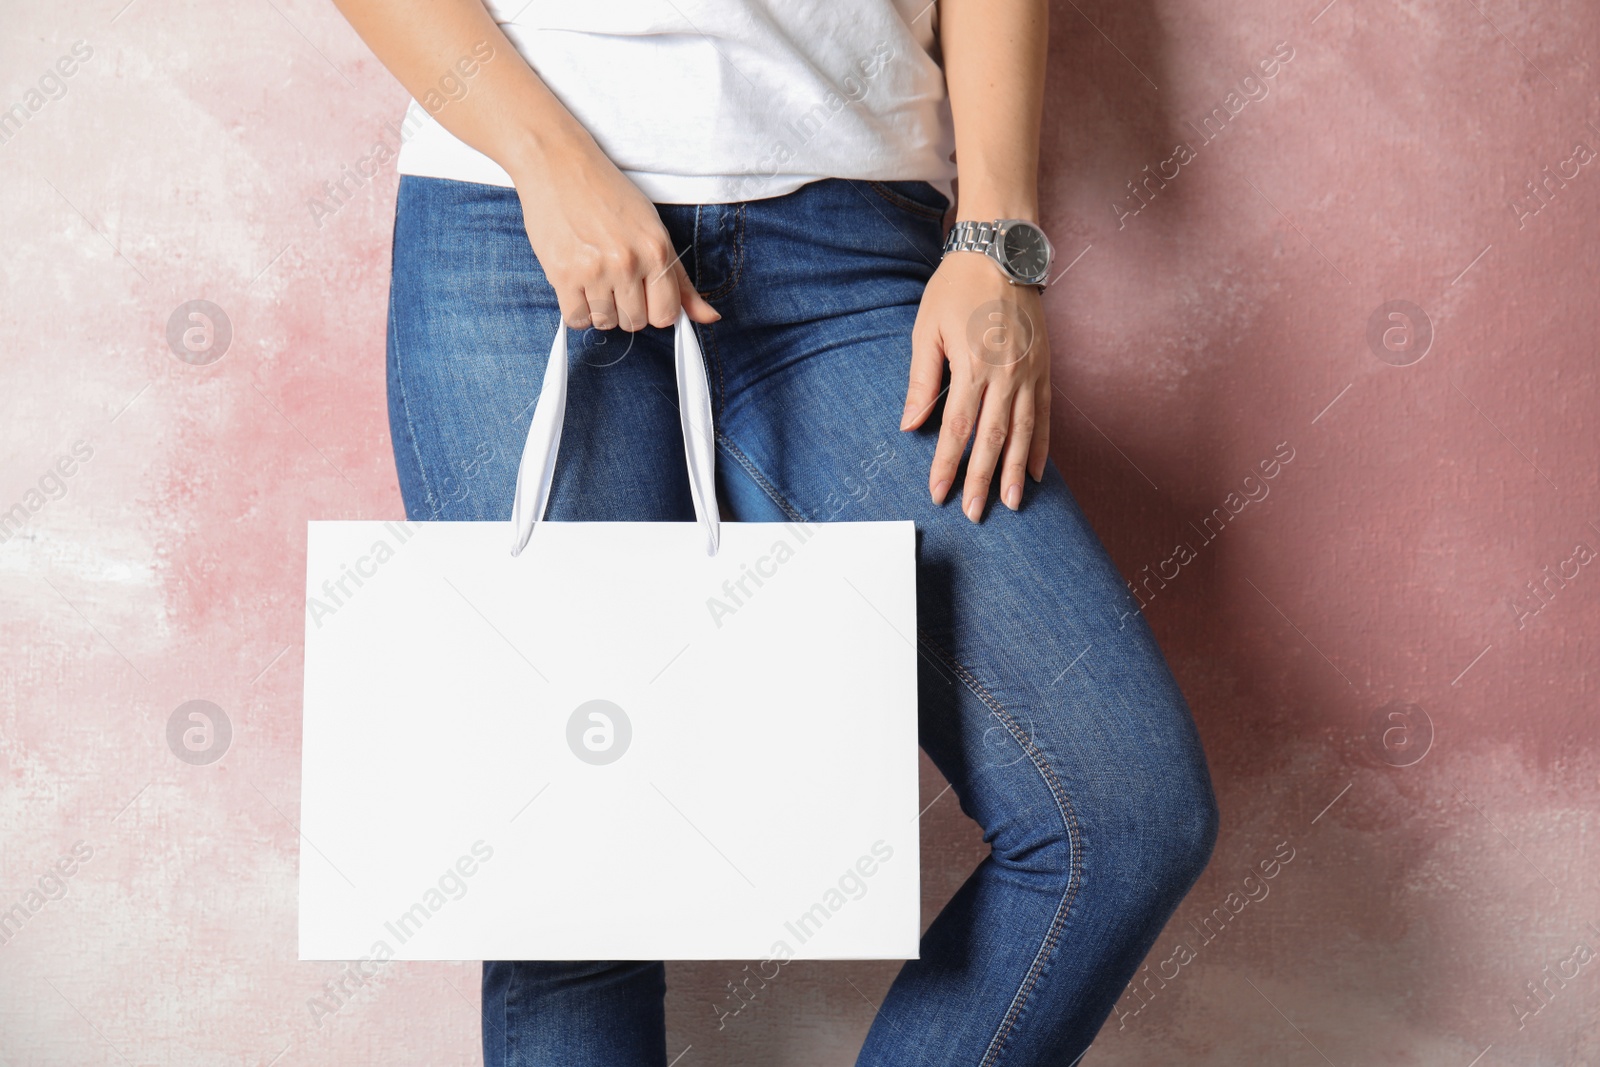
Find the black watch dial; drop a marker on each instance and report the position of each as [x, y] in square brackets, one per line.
[1025, 251]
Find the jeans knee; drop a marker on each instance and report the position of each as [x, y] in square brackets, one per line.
[1041, 849]
[1176, 829]
[1188, 836]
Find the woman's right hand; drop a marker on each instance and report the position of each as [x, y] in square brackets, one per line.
[599, 239]
[603, 246]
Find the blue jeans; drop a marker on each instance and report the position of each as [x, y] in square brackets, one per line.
[1043, 697]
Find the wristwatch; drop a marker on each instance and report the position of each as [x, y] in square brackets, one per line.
[1017, 246]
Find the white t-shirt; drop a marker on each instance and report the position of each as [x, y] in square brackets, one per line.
[714, 101]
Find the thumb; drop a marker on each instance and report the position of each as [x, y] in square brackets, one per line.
[699, 310]
[927, 375]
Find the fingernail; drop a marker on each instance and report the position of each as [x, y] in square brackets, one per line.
[940, 490]
[905, 416]
[1014, 496]
[974, 508]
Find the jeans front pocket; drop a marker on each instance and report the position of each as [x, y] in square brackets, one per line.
[918, 197]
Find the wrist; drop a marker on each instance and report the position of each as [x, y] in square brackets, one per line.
[989, 204]
[533, 155]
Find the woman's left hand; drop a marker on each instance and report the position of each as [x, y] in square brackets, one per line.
[992, 334]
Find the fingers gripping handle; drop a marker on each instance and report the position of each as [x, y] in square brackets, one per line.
[538, 465]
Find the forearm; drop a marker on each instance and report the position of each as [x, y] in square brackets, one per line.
[508, 114]
[994, 62]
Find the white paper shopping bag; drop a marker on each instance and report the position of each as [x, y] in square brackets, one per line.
[616, 741]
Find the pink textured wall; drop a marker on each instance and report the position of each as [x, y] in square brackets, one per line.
[1384, 695]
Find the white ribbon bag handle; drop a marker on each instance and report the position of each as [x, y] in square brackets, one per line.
[538, 465]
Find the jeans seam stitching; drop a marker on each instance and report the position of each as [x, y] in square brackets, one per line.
[1070, 821]
[405, 406]
[715, 352]
[760, 479]
[734, 275]
[505, 1015]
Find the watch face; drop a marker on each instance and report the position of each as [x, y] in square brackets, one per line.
[1025, 249]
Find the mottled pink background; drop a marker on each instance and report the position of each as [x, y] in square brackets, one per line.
[1229, 315]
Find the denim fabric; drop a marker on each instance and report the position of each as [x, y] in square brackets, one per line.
[1043, 696]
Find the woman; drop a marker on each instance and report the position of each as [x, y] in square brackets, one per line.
[781, 174]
